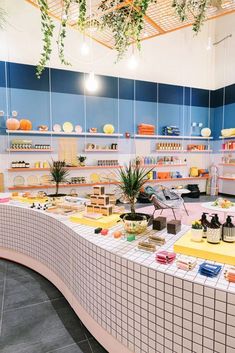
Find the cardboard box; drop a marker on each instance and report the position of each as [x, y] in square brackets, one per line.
[94, 199]
[97, 209]
[89, 208]
[98, 190]
[106, 210]
[103, 200]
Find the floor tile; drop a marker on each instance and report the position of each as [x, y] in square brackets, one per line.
[96, 347]
[3, 265]
[81, 347]
[44, 327]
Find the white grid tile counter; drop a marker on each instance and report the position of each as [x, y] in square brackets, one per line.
[128, 301]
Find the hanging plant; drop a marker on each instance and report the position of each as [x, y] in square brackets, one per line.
[2, 18]
[126, 23]
[47, 26]
[195, 8]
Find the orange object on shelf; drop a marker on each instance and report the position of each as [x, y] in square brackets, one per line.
[164, 175]
[146, 129]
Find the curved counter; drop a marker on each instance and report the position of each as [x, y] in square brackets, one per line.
[129, 302]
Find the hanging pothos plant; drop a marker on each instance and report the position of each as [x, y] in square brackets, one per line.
[196, 9]
[126, 23]
[47, 27]
[2, 18]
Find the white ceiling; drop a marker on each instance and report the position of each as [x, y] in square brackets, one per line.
[176, 58]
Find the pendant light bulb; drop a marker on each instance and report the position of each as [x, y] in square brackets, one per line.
[85, 49]
[209, 44]
[91, 83]
[133, 62]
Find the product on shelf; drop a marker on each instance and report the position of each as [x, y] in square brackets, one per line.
[99, 202]
[185, 263]
[25, 124]
[108, 129]
[193, 172]
[206, 132]
[164, 175]
[147, 246]
[165, 257]
[173, 226]
[172, 146]
[157, 239]
[205, 223]
[158, 161]
[107, 163]
[228, 231]
[19, 164]
[19, 144]
[159, 223]
[214, 230]
[223, 203]
[197, 231]
[229, 274]
[209, 270]
[77, 180]
[57, 128]
[93, 130]
[193, 147]
[146, 129]
[92, 146]
[228, 145]
[12, 124]
[228, 132]
[67, 127]
[43, 128]
[171, 130]
[227, 159]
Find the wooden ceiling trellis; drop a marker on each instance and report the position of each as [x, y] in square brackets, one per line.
[159, 19]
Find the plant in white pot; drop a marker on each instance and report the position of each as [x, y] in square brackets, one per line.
[131, 179]
[196, 231]
[59, 174]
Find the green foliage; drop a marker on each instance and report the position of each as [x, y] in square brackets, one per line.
[126, 23]
[59, 173]
[195, 8]
[81, 159]
[131, 179]
[62, 34]
[197, 225]
[2, 18]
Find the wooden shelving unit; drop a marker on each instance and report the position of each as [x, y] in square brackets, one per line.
[29, 150]
[14, 170]
[163, 165]
[227, 178]
[227, 164]
[101, 150]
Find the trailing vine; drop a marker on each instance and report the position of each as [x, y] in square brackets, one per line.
[62, 33]
[196, 8]
[2, 18]
[126, 23]
[47, 26]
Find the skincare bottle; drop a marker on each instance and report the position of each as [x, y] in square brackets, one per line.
[228, 234]
[213, 232]
[205, 223]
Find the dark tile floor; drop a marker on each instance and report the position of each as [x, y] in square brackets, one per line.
[35, 317]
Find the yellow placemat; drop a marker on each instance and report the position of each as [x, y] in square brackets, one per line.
[104, 222]
[223, 252]
[29, 200]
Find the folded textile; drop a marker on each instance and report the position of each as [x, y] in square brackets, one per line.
[230, 274]
[186, 264]
[209, 270]
[146, 126]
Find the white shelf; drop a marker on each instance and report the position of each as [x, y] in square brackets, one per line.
[227, 138]
[227, 151]
[85, 134]
[173, 137]
[101, 150]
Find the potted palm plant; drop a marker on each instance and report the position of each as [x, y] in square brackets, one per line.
[131, 180]
[59, 174]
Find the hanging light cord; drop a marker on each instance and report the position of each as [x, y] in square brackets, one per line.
[223, 39]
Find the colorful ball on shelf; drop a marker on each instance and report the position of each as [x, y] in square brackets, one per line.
[206, 132]
[12, 124]
[25, 124]
[108, 129]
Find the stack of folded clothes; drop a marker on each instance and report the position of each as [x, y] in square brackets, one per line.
[146, 129]
[209, 270]
[230, 274]
[171, 130]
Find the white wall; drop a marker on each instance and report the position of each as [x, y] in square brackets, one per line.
[176, 58]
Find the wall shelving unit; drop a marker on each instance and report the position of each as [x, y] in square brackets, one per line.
[172, 137]
[61, 133]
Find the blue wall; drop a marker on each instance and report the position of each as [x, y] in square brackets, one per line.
[139, 101]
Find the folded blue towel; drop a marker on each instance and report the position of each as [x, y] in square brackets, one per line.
[209, 270]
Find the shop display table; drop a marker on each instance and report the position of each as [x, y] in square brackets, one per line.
[126, 299]
[225, 211]
[181, 191]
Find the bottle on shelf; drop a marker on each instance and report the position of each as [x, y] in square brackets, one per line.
[228, 231]
[205, 224]
[213, 231]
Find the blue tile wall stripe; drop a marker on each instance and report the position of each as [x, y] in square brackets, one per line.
[23, 76]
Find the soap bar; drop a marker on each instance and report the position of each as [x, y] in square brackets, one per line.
[174, 226]
[156, 239]
[97, 230]
[186, 264]
[230, 274]
[130, 237]
[104, 231]
[145, 245]
[117, 234]
[165, 257]
[209, 270]
[159, 223]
